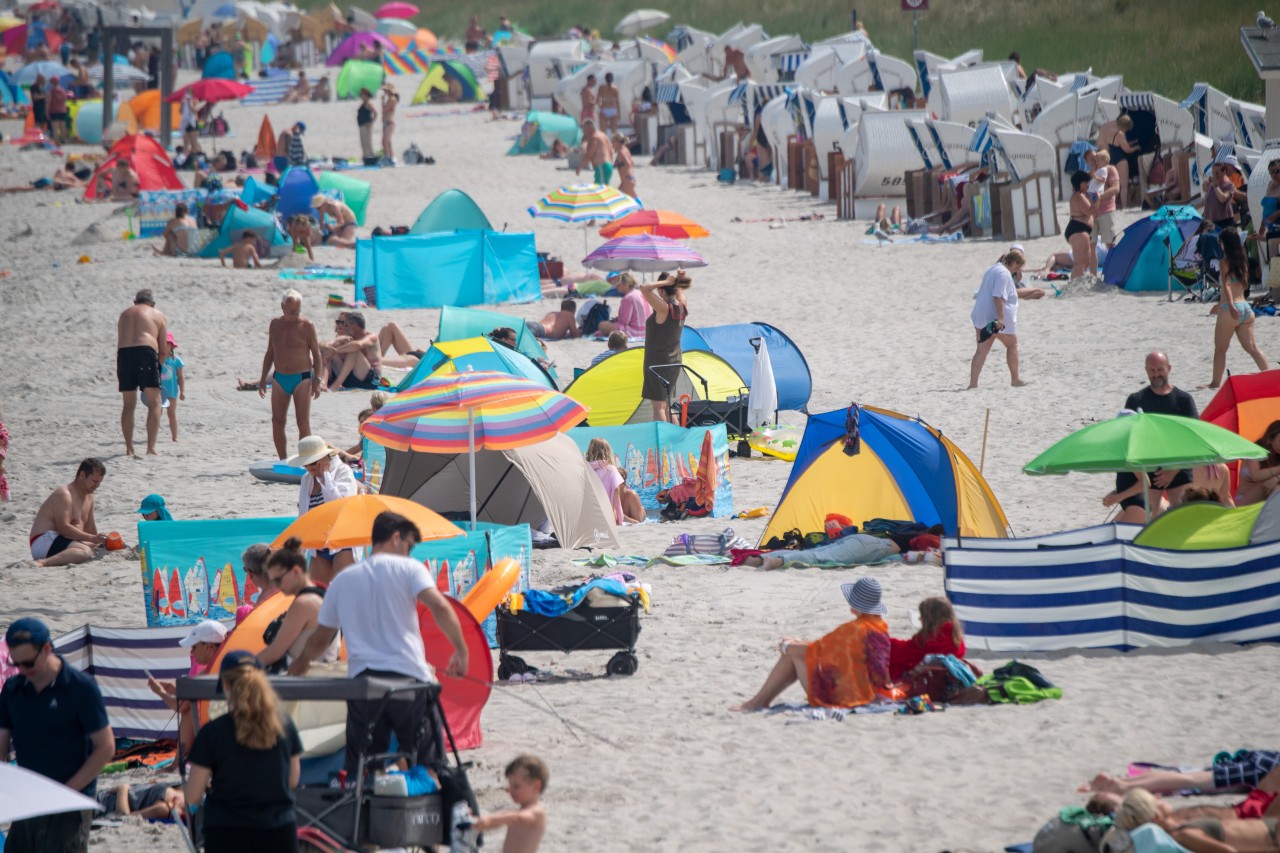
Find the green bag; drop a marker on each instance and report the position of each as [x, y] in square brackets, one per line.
[1017, 691]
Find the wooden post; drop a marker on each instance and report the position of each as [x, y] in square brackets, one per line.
[844, 194]
[986, 425]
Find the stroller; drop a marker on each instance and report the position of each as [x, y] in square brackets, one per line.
[1195, 266]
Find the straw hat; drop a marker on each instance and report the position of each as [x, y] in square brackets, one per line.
[310, 449]
[864, 596]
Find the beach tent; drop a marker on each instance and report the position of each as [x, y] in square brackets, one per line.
[118, 659]
[611, 389]
[219, 66]
[549, 481]
[1208, 526]
[296, 188]
[530, 140]
[255, 192]
[1246, 404]
[154, 168]
[441, 74]
[733, 343]
[356, 75]
[1140, 261]
[458, 323]
[449, 268]
[145, 109]
[239, 220]
[905, 470]
[452, 210]
[478, 353]
[10, 91]
[355, 192]
[542, 128]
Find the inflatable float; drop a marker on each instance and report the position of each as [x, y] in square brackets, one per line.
[275, 471]
[488, 592]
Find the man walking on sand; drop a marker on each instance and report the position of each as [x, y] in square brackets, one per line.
[294, 351]
[1162, 398]
[140, 350]
[596, 151]
[64, 531]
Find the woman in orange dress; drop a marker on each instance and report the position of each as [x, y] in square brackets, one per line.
[843, 668]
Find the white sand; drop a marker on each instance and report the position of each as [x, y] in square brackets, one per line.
[883, 326]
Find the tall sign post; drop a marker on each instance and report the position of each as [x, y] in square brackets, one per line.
[915, 7]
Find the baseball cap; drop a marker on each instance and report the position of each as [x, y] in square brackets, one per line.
[301, 126]
[207, 631]
[27, 630]
[237, 659]
[1232, 161]
[1017, 247]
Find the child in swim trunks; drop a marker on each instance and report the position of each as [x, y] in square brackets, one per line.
[173, 384]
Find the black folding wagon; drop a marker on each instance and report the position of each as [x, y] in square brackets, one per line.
[581, 629]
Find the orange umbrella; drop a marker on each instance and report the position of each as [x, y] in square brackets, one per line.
[661, 223]
[348, 522]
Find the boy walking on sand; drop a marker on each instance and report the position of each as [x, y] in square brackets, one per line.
[527, 778]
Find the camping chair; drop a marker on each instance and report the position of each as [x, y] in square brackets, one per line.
[1192, 268]
[705, 412]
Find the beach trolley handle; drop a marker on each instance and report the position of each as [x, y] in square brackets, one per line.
[654, 368]
[296, 689]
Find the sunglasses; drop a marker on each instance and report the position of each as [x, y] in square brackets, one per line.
[26, 664]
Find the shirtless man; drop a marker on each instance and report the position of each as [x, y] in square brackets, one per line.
[598, 151]
[557, 325]
[64, 532]
[342, 233]
[353, 359]
[66, 179]
[588, 102]
[124, 182]
[294, 350]
[610, 102]
[177, 233]
[140, 350]
[244, 254]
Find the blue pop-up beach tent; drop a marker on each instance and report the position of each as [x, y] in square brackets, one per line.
[733, 343]
[449, 268]
[1140, 261]
[238, 221]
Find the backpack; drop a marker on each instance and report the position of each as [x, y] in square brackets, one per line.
[595, 315]
[1062, 835]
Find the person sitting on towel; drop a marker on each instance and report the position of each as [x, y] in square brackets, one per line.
[843, 668]
[617, 343]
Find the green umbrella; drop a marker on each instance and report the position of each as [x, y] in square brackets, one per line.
[1141, 443]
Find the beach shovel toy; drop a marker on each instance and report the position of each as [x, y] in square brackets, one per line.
[115, 542]
[128, 234]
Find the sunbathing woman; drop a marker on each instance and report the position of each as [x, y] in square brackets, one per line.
[1259, 477]
[342, 233]
[843, 668]
[288, 634]
[1206, 835]
[1235, 316]
[1079, 231]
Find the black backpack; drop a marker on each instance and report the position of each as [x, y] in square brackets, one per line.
[596, 315]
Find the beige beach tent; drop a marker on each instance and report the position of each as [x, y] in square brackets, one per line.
[550, 480]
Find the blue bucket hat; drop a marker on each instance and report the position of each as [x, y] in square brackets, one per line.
[27, 630]
[154, 503]
[864, 596]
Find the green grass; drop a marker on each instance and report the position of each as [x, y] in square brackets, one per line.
[1158, 45]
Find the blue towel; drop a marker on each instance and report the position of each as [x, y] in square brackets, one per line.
[549, 604]
[956, 667]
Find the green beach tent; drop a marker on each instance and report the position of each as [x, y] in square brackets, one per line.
[355, 192]
[452, 210]
[441, 74]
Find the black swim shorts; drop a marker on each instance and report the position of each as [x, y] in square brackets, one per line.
[137, 367]
[371, 382]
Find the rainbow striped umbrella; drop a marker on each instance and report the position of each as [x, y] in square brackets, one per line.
[642, 253]
[585, 203]
[463, 411]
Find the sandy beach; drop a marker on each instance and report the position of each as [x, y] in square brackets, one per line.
[653, 762]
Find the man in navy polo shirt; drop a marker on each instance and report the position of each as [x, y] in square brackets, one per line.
[54, 716]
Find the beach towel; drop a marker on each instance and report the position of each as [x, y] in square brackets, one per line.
[718, 544]
[847, 664]
[546, 603]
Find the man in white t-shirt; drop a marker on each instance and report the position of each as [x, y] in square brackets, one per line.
[374, 602]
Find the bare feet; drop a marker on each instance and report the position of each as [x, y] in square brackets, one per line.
[971, 387]
[749, 705]
[1018, 383]
[1102, 782]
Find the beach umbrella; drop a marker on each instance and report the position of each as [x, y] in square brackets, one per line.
[642, 253]
[122, 72]
[226, 12]
[396, 9]
[396, 27]
[461, 412]
[348, 522]
[7, 23]
[25, 794]
[1142, 443]
[585, 204]
[660, 223]
[27, 74]
[641, 20]
[213, 89]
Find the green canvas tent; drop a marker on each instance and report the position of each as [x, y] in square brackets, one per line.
[452, 210]
[457, 324]
[355, 192]
[444, 72]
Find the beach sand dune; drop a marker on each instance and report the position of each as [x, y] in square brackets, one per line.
[654, 761]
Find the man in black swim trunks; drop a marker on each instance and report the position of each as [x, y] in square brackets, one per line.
[141, 348]
[1162, 398]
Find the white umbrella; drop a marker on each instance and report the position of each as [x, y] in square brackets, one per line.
[396, 27]
[121, 73]
[641, 20]
[762, 403]
[24, 794]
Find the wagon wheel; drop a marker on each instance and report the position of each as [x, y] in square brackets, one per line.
[623, 663]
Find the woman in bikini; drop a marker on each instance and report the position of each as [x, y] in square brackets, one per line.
[1259, 477]
[1206, 835]
[1235, 316]
[624, 166]
[390, 100]
[342, 233]
[1079, 231]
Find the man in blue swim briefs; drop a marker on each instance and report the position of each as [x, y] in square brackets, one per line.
[140, 350]
[294, 351]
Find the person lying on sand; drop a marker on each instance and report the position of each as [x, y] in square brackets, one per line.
[1205, 835]
[843, 668]
[1261, 802]
[851, 549]
[66, 179]
[1246, 771]
[244, 254]
[159, 801]
[557, 325]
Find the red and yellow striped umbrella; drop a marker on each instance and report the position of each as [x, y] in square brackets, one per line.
[660, 223]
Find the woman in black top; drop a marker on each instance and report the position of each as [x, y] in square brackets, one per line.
[247, 761]
[287, 636]
[40, 103]
[365, 117]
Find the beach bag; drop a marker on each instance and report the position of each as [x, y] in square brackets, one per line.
[791, 540]
[1014, 669]
[1072, 830]
[218, 126]
[596, 314]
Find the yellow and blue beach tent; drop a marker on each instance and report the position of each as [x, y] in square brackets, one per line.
[611, 389]
[904, 470]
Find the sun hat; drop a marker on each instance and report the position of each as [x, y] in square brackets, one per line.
[864, 596]
[27, 630]
[310, 449]
[1230, 160]
[169, 339]
[154, 503]
[238, 658]
[207, 631]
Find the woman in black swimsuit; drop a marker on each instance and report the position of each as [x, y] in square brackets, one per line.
[1124, 154]
[1079, 231]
